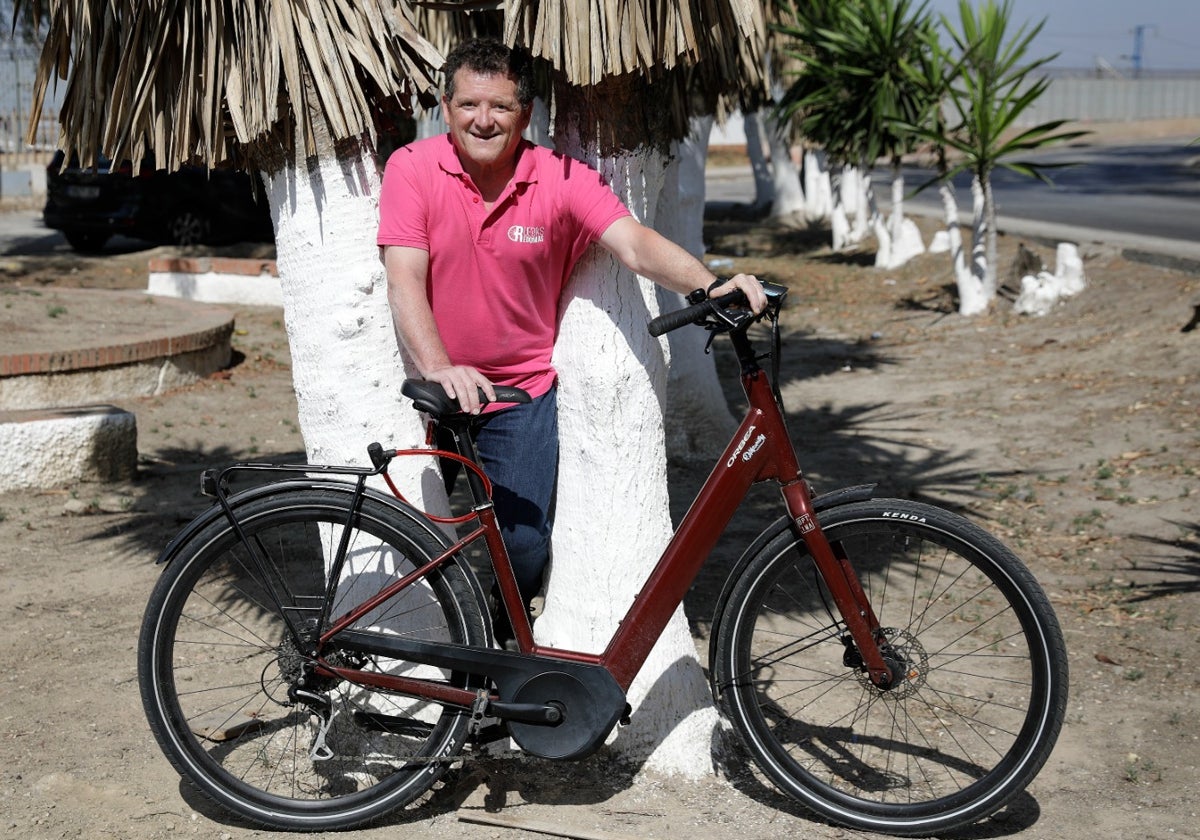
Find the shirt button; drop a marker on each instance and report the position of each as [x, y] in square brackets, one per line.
[476, 199]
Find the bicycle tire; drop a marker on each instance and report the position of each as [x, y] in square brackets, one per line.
[985, 691]
[215, 663]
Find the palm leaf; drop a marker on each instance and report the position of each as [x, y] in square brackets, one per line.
[210, 81]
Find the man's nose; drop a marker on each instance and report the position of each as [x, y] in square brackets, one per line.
[484, 116]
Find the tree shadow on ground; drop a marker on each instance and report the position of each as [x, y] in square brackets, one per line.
[740, 238]
[1179, 565]
[860, 258]
[940, 300]
[166, 495]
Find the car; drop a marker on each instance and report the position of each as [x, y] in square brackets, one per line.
[191, 206]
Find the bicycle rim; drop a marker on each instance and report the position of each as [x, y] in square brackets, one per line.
[984, 691]
[220, 669]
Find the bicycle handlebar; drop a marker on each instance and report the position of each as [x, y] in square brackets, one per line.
[718, 309]
[669, 321]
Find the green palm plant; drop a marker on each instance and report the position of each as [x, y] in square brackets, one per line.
[854, 94]
[989, 87]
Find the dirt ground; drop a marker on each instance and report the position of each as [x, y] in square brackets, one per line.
[1075, 437]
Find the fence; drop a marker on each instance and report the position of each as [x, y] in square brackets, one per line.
[1148, 97]
[18, 66]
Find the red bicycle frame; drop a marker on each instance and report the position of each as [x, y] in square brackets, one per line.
[761, 450]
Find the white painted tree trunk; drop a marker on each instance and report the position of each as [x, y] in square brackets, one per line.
[760, 166]
[971, 300]
[1041, 291]
[839, 221]
[698, 423]
[789, 192]
[346, 365]
[776, 178]
[853, 200]
[902, 234]
[983, 272]
[818, 187]
[612, 518]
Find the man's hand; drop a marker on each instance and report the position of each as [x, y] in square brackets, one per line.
[463, 383]
[750, 287]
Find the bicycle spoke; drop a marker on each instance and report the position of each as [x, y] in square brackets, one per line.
[931, 747]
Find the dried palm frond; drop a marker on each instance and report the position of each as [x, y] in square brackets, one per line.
[589, 40]
[210, 81]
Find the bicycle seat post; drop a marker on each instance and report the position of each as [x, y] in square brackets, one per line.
[458, 426]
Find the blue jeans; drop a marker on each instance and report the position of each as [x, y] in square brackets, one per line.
[518, 447]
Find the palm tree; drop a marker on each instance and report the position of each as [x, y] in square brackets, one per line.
[624, 116]
[297, 89]
[989, 88]
[853, 88]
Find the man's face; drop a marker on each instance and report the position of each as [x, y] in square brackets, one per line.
[485, 118]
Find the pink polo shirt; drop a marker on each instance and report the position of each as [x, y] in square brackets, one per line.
[495, 278]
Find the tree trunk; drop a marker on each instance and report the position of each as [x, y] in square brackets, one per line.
[776, 178]
[852, 191]
[760, 165]
[903, 235]
[789, 192]
[979, 235]
[839, 222]
[346, 364]
[699, 422]
[818, 188]
[612, 518]
[989, 212]
[971, 300]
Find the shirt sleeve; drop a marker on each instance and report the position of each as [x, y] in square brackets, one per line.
[598, 205]
[403, 219]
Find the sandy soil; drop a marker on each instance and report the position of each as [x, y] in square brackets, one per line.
[1076, 437]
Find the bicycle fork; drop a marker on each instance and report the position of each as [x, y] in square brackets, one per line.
[847, 592]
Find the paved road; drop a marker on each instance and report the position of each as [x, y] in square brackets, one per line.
[22, 232]
[1143, 195]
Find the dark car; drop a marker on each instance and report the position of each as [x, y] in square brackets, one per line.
[191, 206]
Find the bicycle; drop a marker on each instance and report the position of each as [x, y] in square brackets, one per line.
[317, 652]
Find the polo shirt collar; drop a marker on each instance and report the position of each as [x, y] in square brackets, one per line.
[526, 172]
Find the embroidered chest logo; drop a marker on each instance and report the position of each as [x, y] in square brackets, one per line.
[528, 235]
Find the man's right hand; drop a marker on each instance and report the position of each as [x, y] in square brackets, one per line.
[463, 383]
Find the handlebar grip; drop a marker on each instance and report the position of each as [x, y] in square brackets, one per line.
[679, 318]
[693, 314]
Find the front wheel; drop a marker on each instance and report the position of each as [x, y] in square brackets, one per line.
[984, 685]
[233, 696]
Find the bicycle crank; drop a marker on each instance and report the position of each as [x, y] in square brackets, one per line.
[583, 723]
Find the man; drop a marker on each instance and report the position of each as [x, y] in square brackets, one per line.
[479, 231]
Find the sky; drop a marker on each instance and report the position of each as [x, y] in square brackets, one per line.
[1088, 32]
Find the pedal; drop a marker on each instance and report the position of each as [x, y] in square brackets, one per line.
[491, 733]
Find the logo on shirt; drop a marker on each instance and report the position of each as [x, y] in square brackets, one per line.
[531, 235]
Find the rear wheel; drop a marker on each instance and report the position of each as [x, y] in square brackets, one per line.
[234, 700]
[189, 227]
[984, 667]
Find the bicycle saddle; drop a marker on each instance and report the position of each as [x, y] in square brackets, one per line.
[431, 397]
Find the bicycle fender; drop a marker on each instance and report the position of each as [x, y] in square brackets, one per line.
[826, 501]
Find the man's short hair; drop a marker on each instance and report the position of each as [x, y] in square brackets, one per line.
[490, 56]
